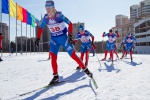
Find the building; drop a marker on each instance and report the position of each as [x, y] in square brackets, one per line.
[140, 11]
[142, 34]
[4, 30]
[121, 20]
[135, 12]
[23, 39]
[145, 8]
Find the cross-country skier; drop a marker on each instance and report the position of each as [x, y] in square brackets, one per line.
[56, 23]
[110, 46]
[1, 37]
[86, 43]
[129, 44]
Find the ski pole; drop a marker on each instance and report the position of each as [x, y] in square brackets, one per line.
[98, 60]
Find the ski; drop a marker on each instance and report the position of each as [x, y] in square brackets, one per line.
[44, 87]
[94, 82]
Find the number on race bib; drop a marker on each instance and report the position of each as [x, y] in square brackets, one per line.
[54, 29]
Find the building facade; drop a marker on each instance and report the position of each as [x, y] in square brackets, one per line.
[5, 42]
[121, 20]
[142, 34]
[140, 11]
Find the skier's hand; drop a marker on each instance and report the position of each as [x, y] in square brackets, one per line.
[70, 40]
[1, 49]
[37, 42]
[104, 33]
[136, 43]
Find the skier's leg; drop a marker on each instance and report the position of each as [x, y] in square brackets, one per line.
[111, 55]
[105, 55]
[82, 55]
[53, 52]
[71, 51]
[116, 53]
[87, 58]
[123, 54]
[131, 54]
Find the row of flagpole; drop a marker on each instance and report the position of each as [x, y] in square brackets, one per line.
[16, 41]
[1, 23]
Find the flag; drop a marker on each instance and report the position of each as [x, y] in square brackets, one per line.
[12, 8]
[29, 18]
[24, 13]
[33, 20]
[5, 6]
[19, 13]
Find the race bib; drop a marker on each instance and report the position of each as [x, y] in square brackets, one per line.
[85, 39]
[111, 40]
[129, 40]
[56, 29]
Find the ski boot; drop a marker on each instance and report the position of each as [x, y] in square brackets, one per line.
[1, 59]
[54, 80]
[78, 68]
[86, 70]
[103, 59]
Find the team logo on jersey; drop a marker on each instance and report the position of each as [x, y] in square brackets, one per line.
[57, 15]
[69, 48]
[51, 21]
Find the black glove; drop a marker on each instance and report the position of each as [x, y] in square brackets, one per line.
[104, 33]
[70, 40]
[37, 42]
[136, 43]
[1, 49]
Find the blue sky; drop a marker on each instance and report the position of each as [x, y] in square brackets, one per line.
[98, 15]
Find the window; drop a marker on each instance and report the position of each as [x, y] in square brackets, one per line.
[143, 25]
[143, 30]
[148, 43]
[142, 36]
[143, 44]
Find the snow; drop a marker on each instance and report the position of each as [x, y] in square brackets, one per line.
[122, 81]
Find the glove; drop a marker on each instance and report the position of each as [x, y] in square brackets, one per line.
[70, 40]
[104, 33]
[1, 49]
[37, 42]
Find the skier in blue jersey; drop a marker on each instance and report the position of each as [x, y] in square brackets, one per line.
[129, 44]
[55, 21]
[110, 43]
[86, 43]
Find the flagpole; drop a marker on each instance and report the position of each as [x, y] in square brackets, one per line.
[26, 40]
[33, 41]
[9, 28]
[16, 31]
[1, 27]
[21, 37]
[30, 39]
